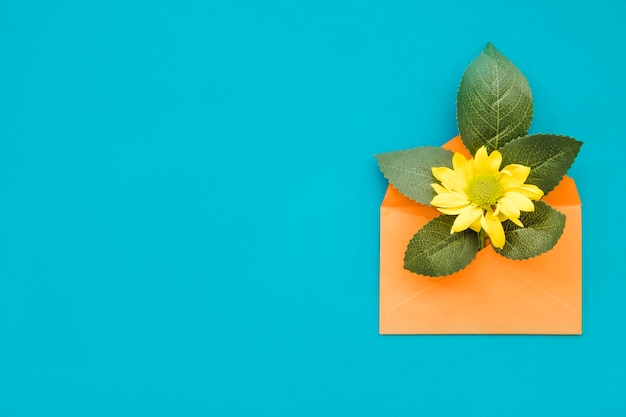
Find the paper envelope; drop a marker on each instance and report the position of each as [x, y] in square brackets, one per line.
[493, 294]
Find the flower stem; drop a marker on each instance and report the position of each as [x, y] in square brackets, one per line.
[481, 239]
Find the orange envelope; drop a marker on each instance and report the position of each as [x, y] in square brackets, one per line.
[493, 294]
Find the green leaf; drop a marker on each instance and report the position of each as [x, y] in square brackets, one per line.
[410, 171]
[433, 251]
[494, 102]
[548, 156]
[542, 229]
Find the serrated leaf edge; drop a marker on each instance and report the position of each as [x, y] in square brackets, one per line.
[544, 252]
[429, 275]
[551, 134]
[405, 150]
[488, 50]
[443, 276]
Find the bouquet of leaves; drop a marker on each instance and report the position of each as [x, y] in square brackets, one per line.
[495, 196]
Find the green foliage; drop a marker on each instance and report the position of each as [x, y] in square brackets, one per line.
[542, 229]
[548, 156]
[433, 251]
[494, 102]
[410, 171]
[494, 109]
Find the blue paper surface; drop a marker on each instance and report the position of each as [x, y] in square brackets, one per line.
[189, 206]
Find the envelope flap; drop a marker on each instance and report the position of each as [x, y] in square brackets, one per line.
[565, 194]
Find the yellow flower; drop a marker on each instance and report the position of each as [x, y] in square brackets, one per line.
[482, 196]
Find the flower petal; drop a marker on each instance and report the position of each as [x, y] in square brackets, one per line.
[515, 175]
[495, 159]
[451, 210]
[528, 190]
[450, 199]
[476, 225]
[462, 166]
[466, 218]
[484, 163]
[520, 201]
[481, 160]
[493, 228]
[439, 189]
[449, 178]
[507, 207]
[515, 220]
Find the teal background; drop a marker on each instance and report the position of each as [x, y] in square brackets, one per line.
[189, 206]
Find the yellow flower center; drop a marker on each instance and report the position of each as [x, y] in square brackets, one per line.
[482, 196]
[484, 190]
